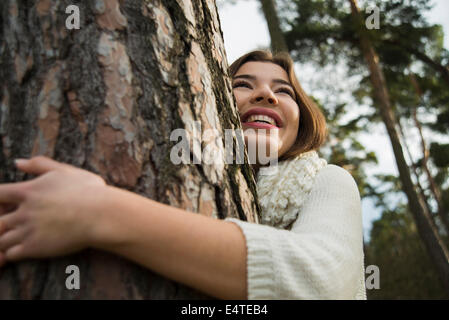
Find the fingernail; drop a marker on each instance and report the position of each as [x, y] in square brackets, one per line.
[19, 162]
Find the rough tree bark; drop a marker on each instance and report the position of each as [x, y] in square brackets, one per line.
[435, 246]
[106, 98]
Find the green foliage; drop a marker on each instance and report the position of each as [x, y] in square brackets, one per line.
[445, 196]
[343, 147]
[440, 154]
[322, 31]
[406, 271]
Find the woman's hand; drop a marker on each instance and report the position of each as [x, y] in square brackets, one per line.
[51, 215]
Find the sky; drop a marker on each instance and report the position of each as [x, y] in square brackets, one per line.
[244, 29]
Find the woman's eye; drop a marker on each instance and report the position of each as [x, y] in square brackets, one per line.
[287, 91]
[241, 84]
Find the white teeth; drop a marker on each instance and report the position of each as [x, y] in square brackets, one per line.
[260, 117]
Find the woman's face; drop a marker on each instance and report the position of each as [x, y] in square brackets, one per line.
[267, 105]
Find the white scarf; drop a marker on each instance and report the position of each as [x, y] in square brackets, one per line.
[282, 193]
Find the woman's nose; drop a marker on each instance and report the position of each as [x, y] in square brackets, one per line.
[264, 95]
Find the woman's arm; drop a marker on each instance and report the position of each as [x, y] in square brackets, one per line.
[67, 209]
[201, 252]
[321, 257]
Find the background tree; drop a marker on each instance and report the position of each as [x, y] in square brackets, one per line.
[406, 269]
[277, 38]
[431, 239]
[106, 98]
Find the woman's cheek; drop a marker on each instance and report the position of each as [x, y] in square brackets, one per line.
[291, 130]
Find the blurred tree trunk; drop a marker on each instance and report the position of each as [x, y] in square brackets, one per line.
[436, 192]
[106, 98]
[278, 43]
[414, 168]
[427, 231]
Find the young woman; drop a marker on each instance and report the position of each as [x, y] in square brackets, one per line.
[310, 242]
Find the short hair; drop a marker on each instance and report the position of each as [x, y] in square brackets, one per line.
[312, 130]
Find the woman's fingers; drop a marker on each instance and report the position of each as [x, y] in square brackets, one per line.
[38, 165]
[15, 253]
[7, 208]
[8, 222]
[11, 238]
[12, 193]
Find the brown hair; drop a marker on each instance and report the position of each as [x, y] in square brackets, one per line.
[312, 131]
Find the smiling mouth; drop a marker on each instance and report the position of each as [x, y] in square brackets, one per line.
[260, 122]
[261, 119]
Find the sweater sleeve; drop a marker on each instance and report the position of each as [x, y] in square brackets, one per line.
[321, 257]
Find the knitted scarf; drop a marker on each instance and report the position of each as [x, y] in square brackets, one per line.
[282, 192]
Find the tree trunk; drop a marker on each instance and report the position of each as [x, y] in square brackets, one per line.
[106, 98]
[427, 231]
[278, 43]
[442, 212]
[419, 188]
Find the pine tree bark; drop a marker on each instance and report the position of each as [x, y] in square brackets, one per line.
[278, 43]
[427, 231]
[106, 98]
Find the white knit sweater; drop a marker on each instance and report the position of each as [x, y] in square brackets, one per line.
[310, 242]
